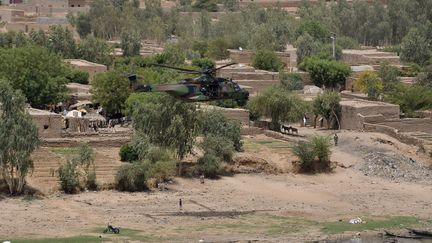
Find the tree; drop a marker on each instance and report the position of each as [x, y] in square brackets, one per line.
[19, 138]
[215, 124]
[218, 49]
[208, 5]
[110, 90]
[82, 23]
[39, 37]
[278, 104]
[307, 151]
[327, 72]
[231, 5]
[291, 81]
[39, 74]
[370, 83]
[267, 60]
[95, 50]
[262, 37]
[306, 47]
[328, 106]
[130, 43]
[410, 98]
[315, 29]
[425, 78]
[204, 63]
[389, 75]
[21, 39]
[61, 41]
[173, 54]
[167, 122]
[414, 48]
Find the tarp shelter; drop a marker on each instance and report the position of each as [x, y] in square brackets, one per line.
[74, 113]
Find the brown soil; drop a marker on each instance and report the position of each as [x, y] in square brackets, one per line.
[343, 194]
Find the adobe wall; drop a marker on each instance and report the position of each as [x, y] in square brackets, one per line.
[49, 126]
[350, 118]
[28, 26]
[254, 86]
[86, 66]
[393, 133]
[270, 3]
[10, 15]
[245, 57]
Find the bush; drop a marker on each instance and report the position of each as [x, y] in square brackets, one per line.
[326, 72]
[389, 75]
[156, 154]
[209, 165]
[204, 63]
[131, 177]
[410, 99]
[162, 170]
[321, 146]
[173, 55]
[291, 81]
[218, 146]
[267, 60]
[370, 83]
[76, 76]
[91, 181]
[305, 152]
[68, 177]
[128, 153]
[218, 49]
[317, 146]
[200, 46]
[214, 123]
[347, 43]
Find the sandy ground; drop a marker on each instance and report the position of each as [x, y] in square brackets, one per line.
[250, 199]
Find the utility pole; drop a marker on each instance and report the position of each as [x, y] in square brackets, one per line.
[333, 37]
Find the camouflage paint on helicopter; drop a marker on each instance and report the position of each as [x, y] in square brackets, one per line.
[207, 87]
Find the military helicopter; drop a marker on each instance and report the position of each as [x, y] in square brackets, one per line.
[206, 87]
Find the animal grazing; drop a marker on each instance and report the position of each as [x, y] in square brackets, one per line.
[112, 229]
[288, 129]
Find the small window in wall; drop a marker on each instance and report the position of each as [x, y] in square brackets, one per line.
[72, 5]
[79, 5]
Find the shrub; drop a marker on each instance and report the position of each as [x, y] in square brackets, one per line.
[214, 123]
[156, 154]
[204, 63]
[131, 177]
[209, 165]
[305, 152]
[326, 72]
[425, 78]
[370, 83]
[76, 76]
[173, 55]
[321, 146]
[218, 146]
[91, 181]
[128, 153]
[291, 81]
[267, 60]
[347, 43]
[200, 46]
[218, 49]
[389, 75]
[162, 170]
[410, 99]
[68, 177]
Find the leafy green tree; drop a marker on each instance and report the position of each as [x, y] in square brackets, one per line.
[321, 145]
[327, 72]
[39, 74]
[218, 146]
[347, 42]
[267, 60]
[77, 76]
[410, 98]
[61, 41]
[370, 83]
[291, 81]
[425, 78]
[110, 90]
[204, 63]
[218, 49]
[200, 46]
[389, 75]
[278, 104]
[167, 122]
[263, 37]
[209, 165]
[130, 43]
[173, 54]
[315, 29]
[21, 39]
[231, 5]
[95, 50]
[415, 48]
[19, 138]
[328, 106]
[128, 153]
[208, 5]
[215, 124]
[306, 153]
[82, 22]
[7, 39]
[306, 47]
[38, 37]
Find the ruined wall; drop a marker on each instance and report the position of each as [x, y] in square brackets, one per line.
[49, 126]
[245, 56]
[86, 66]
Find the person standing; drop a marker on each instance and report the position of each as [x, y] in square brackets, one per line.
[336, 138]
[180, 204]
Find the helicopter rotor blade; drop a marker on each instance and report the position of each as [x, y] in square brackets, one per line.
[179, 69]
[226, 65]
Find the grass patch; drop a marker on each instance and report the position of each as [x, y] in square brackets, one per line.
[75, 239]
[372, 224]
[272, 144]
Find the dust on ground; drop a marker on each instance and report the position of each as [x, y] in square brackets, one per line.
[278, 206]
